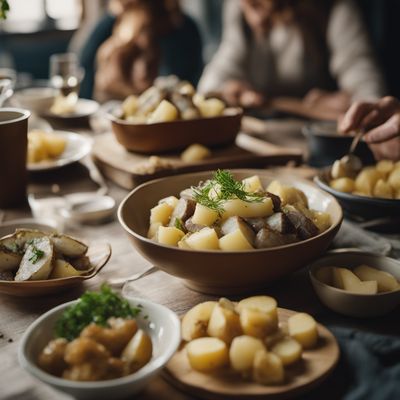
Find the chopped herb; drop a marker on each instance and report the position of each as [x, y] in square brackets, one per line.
[223, 187]
[4, 8]
[37, 254]
[178, 224]
[95, 307]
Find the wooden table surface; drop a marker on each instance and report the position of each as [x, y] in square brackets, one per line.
[17, 313]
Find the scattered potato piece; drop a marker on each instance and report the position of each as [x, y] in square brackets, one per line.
[386, 281]
[322, 220]
[204, 215]
[165, 112]
[63, 269]
[130, 106]
[210, 107]
[288, 350]
[263, 304]
[345, 279]
[338, 170]
[138, 351]
[394, 179]
[161, 213]
[169, 235]
[207, 354]
[383, 190]
[242, 352]
[224, 324]
[257, 323]
[234, 241]
[346, 185]
[195, 321]
[385, 166]
[268, 368]
[367, 179]
[206, 239]
[195, 152]
[303, 328]
[253, 184]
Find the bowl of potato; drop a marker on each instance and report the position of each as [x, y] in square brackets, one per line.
[372, 192]
[356, 283]
[170, 116]
[255, 228]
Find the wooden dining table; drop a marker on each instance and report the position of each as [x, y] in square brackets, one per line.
[17, 313]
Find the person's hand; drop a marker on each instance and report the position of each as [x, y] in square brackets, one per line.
[239, 93]
[335, 101]
[381, 122]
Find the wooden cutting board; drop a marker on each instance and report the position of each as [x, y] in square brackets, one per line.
[315, 366]
[128, 169]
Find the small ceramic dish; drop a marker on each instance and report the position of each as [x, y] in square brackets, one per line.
[36, 99]
[363, 206]
[159, 322]
[353, 304]
[98, 253]
[176, 135]
[84, 108]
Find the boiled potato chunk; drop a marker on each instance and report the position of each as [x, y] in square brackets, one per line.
[367, 179]
[242, 352]
[383, 189]
[63, 269]
[207, 354]
[268, 368]
[55, 145]
[170, 200]
[253, 184]
[385, 166]
[288, 350]
[210, 107]
[338, 170]
[204, 215]
[165, 112]
[169, 235]
[321, 219]
[138, 351]
[161, 213]
[325, 275]
[206, 239]
[264, 304]
[394, 179]
[345, 279]
[234, 241]
[346, 185]
[244, 209]
[224, 323]
[130, 106]
[153, 230]
[195, 321]
[257, 323]
[386, 282]
[303, 328]
[287, 194]
[195, 152]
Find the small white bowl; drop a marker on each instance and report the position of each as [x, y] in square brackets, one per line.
[161, 324]
[36, 99]
[353, 304]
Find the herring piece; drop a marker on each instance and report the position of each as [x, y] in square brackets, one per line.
[9, 261]
[183, 211]
[305, 228]
[280, 222]
[37, 261]
[269, 238]
[236, 223]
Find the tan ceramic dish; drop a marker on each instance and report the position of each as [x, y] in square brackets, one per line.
[98, 254]
[218, 272]
[314, 367]
[353, 304]
[177, 135]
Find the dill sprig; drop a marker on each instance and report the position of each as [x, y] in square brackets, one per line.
[223, 187]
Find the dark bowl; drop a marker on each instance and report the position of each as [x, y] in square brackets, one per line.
[326, 145]
[222, 272]
[177, 135]
[362, 206]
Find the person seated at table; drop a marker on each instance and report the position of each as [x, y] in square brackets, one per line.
[314, 49]
[381, 122]
[137, 41]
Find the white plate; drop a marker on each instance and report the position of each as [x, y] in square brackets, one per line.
[78, 146]
[83, 108]
[9, 227]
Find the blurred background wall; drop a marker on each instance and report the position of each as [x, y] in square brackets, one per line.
[35, 29]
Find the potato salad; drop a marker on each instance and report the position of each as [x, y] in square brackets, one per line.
[229, 215]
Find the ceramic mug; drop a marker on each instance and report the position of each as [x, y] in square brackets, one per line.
[13, 152]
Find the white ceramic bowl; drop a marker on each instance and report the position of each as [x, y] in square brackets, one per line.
[162, 325]
[36, 99]
[353, 304]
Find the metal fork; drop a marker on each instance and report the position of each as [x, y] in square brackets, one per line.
[132, 278]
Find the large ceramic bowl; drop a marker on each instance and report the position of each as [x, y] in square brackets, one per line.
[177, 135]
[220, 272]
[161, 324]
[355, 205]
[353, 304]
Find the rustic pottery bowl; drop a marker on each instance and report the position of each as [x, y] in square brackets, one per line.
[218, 272]
[177, 135]
[159, 322]
[353, 304]
[36, 99]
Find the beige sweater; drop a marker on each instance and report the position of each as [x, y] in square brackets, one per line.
[277, 65]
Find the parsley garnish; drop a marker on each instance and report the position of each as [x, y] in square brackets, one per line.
[178, 224]
[96, 307]
[4, 8]
[37, 254]
[223, 187]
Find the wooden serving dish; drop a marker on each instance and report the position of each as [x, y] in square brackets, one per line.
[315, 366]
[176, 135]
